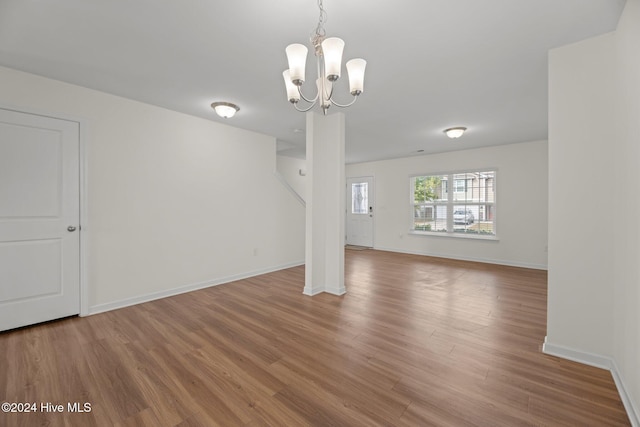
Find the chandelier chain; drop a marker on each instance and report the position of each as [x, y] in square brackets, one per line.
[319, 35]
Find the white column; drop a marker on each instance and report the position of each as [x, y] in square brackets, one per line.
[325, 198]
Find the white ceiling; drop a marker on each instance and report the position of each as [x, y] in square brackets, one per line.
[431, 64]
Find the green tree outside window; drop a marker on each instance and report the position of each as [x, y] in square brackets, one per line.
[426, 188]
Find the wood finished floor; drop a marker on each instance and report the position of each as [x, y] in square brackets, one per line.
[416, 341]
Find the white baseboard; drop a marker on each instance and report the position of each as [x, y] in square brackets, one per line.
[336, 291]
[579, 356]
[462, 258]
[100, 308]
[632, 411]
[598, 361]
[310, 291]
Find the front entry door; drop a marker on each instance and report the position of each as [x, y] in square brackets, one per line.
[39, 219]
[360, 207]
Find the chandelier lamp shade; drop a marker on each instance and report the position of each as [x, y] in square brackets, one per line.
[328, 52]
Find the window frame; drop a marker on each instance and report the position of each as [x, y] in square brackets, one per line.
[451, 204]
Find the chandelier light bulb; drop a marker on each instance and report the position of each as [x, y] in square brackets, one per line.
[297, 58]
[355, 69]
[292, 90]
[332, 49]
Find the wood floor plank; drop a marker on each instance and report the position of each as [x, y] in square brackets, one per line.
[416, 341]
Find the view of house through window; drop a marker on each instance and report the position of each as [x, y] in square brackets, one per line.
[470, 208]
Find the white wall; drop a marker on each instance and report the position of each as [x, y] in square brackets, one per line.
[581, 192]
[521, 204]
[289, 168]
[174, 201]
[594, 268]
[626, 272]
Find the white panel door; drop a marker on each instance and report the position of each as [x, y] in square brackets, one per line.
[360, 207]
[39, 219]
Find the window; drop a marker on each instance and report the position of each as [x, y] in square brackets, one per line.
[359, 198]
[430, 203]
[468, 210]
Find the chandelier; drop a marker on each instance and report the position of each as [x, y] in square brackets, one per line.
[328, 53]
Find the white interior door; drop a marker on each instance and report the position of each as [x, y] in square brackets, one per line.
[360, 211]
[39, 219]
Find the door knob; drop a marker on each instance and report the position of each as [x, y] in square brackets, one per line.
[71, 228]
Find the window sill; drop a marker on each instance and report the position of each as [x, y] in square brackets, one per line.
[456, 235]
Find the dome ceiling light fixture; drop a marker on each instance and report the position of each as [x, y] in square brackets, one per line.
[225, 109]
[455, 132]
[328, 53]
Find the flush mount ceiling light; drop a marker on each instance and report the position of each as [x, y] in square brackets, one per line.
[328, 53]
[225, 109]
[455, 132]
